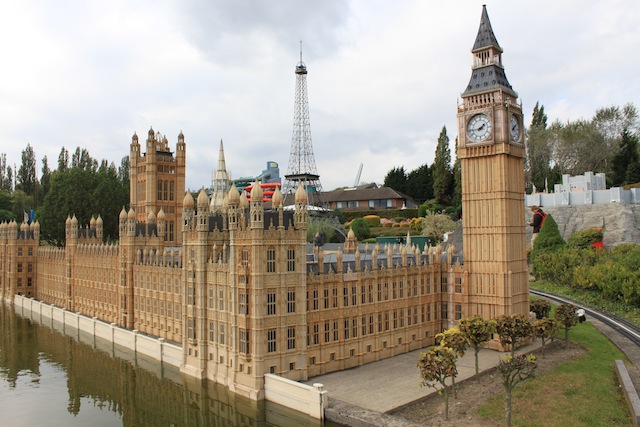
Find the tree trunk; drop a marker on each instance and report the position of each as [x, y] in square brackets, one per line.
[477, 351]
[446, 402]
[508, 405]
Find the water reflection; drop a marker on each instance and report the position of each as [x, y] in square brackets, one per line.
[107, 385]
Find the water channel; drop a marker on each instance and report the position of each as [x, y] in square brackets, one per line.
[56, 377]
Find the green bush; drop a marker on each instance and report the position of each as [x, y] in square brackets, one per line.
[584, 238]
[361, 229]
[549, 238]
[372, 220]
[382, 213]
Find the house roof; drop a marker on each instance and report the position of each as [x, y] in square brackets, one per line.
[346, 195]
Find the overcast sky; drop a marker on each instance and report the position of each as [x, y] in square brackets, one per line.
[384, 76]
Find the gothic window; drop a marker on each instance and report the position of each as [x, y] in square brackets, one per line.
[316, 331]
[191, 332]
[346, 329]
[291, 338]
[212, 332]
[271, 303]
[291, 301]
[315, 299]
[159, 190]
[271, 340]
[244, 341]
[171, 229]
[245, 257]
[345, 292]
[326, 298]
[444, 285]
[171, 186]
[458, 285]
[244, 303]
[19, 267]
[165, 188]
[291, 259]
[458, 311]
[445, 311]
[221, 299]
[221, 334]
[19, 250]
[271, 260]
[326, 332]
[335, 331]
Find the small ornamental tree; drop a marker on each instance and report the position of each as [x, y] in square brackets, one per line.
[567, 317]
[360, 228]
[477, 331]
[546, 329]
[513, 329]
[541, 307]
[436, 365]
[515, 369]
[456, 341]
[549, 238]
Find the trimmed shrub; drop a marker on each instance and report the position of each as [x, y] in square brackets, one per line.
[361, 229]
[549, 238]
[585, 238]
[372, 220]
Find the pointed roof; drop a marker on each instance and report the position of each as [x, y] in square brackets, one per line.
[485, 37]
[221, 163]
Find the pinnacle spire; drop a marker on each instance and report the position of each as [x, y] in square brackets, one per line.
[220, 182]
[485, 37]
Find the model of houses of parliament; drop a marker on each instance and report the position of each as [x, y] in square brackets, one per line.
[236, 285]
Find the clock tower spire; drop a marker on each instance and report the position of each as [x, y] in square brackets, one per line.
[491, 151]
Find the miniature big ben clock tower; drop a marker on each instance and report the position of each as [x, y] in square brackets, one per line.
[491, 150]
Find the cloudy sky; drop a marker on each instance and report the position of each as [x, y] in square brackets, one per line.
[384, 76]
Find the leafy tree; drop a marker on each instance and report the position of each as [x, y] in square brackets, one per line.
[22, 203]
[84, 192]
[441, 170]
[455, 340]
[513, 371]
[512, 329]
[633, 173]
[27, 180]
[546, 329]
[567, 317]
[5, 174]
[6, 206]
[63, 160]
[420, 184]
[81, 159]
[436, 225]
[478, 332]
[360, 228]
[45, 178]
[538, 148]
[627, 155]
[436, 365]
[397, 179]
[457, 181]
[540, 307]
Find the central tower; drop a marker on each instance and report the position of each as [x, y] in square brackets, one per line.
[302, 165]
[491, 150]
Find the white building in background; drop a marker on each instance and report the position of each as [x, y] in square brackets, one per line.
[587, 189]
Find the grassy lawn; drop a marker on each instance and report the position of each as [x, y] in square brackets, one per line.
[583, 392]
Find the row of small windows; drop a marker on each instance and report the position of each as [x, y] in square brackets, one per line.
[370, 293]
[377, 203]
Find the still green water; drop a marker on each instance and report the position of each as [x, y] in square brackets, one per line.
[51, 375]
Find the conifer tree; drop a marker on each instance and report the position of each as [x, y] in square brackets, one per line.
[442, 173]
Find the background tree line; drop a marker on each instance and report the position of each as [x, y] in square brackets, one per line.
[606, 143]
[439, 183]
[80, 185]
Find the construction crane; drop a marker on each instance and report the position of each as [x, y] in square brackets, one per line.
[357, 181]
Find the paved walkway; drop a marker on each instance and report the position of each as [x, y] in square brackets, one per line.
[395, 382]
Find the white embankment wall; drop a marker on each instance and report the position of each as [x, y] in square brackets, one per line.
[302, 397]
[155, 348]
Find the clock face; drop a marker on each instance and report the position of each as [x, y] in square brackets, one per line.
[479, 128]
[514, 128]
